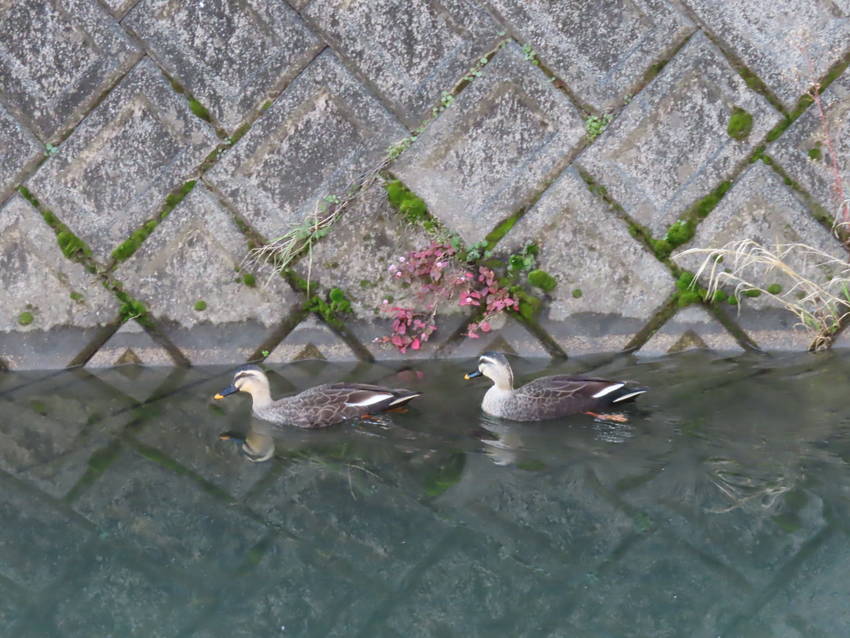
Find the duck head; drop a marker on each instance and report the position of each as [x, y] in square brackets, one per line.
[250, 379]
[495, 366]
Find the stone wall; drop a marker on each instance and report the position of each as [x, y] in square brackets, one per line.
[148, 145]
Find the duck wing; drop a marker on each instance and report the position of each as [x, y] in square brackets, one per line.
[560, 395]
[331, 403]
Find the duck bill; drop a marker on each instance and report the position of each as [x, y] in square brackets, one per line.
[232, 436]
[472, 375]
[228, 390]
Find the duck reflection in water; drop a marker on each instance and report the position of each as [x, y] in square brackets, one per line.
[257, 445]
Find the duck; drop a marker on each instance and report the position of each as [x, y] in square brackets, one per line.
[257, 445]
[548, 397]
[317, 407]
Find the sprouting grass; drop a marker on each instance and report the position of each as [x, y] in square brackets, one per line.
[819, 290]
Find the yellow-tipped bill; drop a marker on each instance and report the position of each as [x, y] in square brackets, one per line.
[472, 375]
[228, 390]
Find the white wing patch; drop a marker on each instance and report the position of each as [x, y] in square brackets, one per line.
[608, 390]
[372, 400]
[628, 396]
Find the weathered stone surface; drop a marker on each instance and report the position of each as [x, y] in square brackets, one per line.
[317, 137]
[762, 209]
[669, 146]
[119, 7]
[19, 152]
[111, 597]
[508, 335]
[37, 541]
[50, 307]
[583, 43]
[209, 48]
[57, 59]
[116, 169]
[492, 150]
[804, 153]
[690, 328]
[130, 345]
[168, 516]
[187, 273]
[311, 339]
[788, 45]
[603, 296]
[415, 48]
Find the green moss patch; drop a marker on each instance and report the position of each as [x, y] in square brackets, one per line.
[412, 208]
[331, 307]
[740, 124]
[25, 318]
[774, 289]
[542, 279]
[200, 305]
[249, 280]
[577, 293]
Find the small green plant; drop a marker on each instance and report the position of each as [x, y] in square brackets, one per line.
[265, 353]
[200, 305]
[25, 318]
[594, 125]
[774, 289]
[331, 307]
[523, 261]
[815, 153]
[529, 54]
[249, 280]
[577, 293]
[50, 150]
[542, 279]
[740, 124]
[78, 297]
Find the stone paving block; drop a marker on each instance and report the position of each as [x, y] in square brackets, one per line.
[19, 152]
[115, 170]
[493, 149]
[808, 602]
[356, 509]
[761, 208]
[188, 427]
[788, 45]
[669, 147]
[169, 517]
[230, 56]
[690, 328]
[601, 52]
[187, 273]
[311, 339]
[803, 152]
[603, 296]
[57, 59]
[687, 596]
[110, 597]
[37, 540]
[130, 345]
[310, 596]
[507, 335]
[321, 133]
[50, 307]
[414, 50]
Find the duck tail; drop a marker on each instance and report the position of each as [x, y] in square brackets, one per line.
[402, 397]
[626, 394]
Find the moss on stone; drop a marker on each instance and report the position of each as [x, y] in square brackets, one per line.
[577, 293]
[774, 289]
[76, 296]
[199, 110]
[542, 279]
[411, 207]
[200, 305]
[815, 153]
[740, 124]
[752, 292]
[249, 280]
[26, 318]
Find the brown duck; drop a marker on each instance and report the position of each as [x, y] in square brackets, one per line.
[548, 397]
[316, 407]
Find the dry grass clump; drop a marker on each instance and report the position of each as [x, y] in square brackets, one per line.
[818, 293]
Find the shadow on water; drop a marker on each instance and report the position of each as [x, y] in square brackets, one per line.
[719, 509]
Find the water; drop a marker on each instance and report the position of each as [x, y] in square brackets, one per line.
[719, 510]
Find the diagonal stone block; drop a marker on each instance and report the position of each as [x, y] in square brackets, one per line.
[37, 540]
[761, 208]
[311, 339]
[209, 48]
[804, 153]
[169, 517]
[119, 7]
[416, 48]
[508, 335]
[130, 345]
[116, 169]
[670, 145]
[603, 295]
[57, 59]
[470, 181]
[583, 44]
[187, 273]
[19, 152]
[50, 307]
[788, 45]
[691, 328]
[317, 137]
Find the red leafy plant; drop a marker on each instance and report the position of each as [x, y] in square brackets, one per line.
[436, 274]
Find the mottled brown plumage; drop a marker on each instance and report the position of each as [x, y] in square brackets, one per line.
[546, 397]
